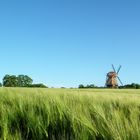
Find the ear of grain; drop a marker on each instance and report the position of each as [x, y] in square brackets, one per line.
[63, 114]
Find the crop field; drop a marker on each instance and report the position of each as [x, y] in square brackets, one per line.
[69, 114]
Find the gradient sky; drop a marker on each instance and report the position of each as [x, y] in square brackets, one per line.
[69, 42]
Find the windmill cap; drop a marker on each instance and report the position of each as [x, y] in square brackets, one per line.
[112, 74]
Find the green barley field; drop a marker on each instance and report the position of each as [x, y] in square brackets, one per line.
[69, 114]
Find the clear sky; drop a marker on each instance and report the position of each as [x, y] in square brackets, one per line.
[69, 42]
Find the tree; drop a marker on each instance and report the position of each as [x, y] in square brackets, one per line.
[0, 84]
[88, 86]
[137, 86]
[91, 86]
[38, 85]
[14, 81]
[131, 86]
[20, 81]
[24, 81]
[10, 81]
[81, 86]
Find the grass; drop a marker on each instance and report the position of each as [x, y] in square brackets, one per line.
[69, 114]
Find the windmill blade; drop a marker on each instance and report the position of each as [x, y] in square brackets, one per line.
[119, 69]
[113, 68]
[120, 81]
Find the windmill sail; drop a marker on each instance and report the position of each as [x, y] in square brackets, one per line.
[119, 69]
[113, 68]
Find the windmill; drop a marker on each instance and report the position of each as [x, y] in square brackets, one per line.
[112, 78]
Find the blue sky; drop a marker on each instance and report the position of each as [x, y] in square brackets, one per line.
[69, 42]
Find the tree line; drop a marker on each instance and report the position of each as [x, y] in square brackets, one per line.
[128, 86]
[19, 81]
[26, 81]
[131, 86]
[87, 86]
